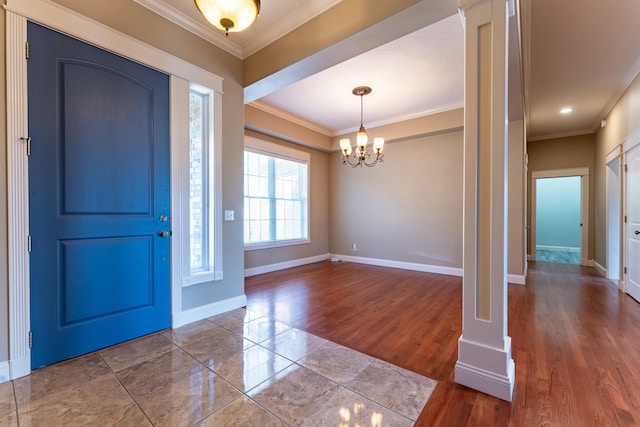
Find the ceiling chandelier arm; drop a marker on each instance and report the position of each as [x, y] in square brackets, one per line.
[373, 163]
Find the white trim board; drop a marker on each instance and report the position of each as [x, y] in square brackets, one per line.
[517, 279]
[253, 271]
[425, 268]
[198, 313]
[600, 268]
[631, 140]
[557, 248]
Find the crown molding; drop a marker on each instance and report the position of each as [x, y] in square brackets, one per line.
[275, 111]
[294, 20]
[398, 119]
[214, 37]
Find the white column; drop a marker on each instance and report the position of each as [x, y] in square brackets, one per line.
[484, 349]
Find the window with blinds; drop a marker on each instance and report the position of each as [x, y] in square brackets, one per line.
[275, 195]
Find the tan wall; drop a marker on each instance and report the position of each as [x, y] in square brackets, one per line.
[424, 160]
[516, 202]
[623, 119]
[318, 213]
[408, 208]
[565, 153]
[268, 124]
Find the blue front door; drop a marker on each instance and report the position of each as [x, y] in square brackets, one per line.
[99, 197]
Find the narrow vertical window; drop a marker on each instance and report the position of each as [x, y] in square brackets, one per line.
[201, 224]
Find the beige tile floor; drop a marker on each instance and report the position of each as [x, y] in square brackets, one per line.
[234, 369]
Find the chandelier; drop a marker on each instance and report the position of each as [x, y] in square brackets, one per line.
[230, 15]
[361, 156]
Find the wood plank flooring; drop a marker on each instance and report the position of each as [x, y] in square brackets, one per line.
[575, 337]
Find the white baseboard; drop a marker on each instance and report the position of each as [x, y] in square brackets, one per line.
[20, 367]
[558, 248]
[425, 268]
[248, 272]
[208, 310]
[586, 262]
[486, 369]
[516, 279]
[5, 372]
[600, 268]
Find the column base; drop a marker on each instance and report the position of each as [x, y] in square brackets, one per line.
[486, 369]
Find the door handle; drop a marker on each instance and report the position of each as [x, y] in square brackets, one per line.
[637, 232]
[163, 233]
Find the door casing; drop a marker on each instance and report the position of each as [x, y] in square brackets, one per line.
[59, 18]
[583, 173]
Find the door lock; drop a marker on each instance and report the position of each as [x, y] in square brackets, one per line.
[163, 233]
[162, 218]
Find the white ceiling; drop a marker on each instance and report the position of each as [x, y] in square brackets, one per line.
[579, 53]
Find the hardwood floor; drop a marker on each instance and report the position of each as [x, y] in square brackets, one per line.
[575, 337]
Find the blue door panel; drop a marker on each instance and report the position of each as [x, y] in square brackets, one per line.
[98, 185]
[117, 290]
[110, 181]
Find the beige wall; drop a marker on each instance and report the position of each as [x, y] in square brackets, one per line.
[409, 208]
[565, 153]
[516, 203]
[623, 119]
[318, 213]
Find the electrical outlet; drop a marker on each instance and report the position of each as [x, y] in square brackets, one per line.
[228, 215]
[355, 248]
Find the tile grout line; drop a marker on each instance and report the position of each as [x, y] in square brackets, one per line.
[346, 387]
[124, 388]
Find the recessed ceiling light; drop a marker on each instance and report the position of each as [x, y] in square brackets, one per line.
[566, 110]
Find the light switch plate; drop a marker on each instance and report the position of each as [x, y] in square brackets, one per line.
[228, 215]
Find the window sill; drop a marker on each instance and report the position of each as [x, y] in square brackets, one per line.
[202, 277]
[278, 244]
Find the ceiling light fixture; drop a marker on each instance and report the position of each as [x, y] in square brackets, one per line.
[566, 110]
[361, 155]
[230, 15]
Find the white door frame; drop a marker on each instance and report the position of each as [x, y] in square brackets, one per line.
[61, 19]
[614, 216]
[630, 142]
[583, 173]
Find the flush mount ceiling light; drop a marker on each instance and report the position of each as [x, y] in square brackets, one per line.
[360, 155]
[230, 15]
[566, 110]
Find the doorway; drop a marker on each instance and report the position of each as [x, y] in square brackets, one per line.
[99, 197]
[558, 220]
[560, 216]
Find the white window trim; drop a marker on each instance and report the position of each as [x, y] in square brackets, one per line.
[181, 270]
[276, 150]
[59, 18]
